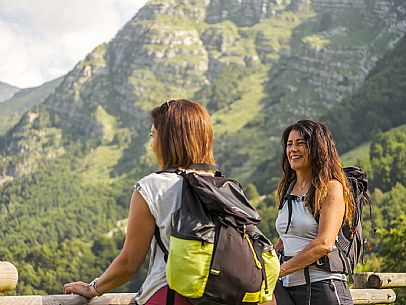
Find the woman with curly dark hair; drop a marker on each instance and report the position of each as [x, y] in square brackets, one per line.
[308, 225]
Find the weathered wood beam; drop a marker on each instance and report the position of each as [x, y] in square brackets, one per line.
[379, 280]
[67, 299]
[373, 296]
[359, 296]
[387, 280]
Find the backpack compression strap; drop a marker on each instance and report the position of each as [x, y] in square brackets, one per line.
[170, 296]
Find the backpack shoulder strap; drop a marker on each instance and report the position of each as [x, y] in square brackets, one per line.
[160, 243]
[195, 166]
[288, 197]
[170, 295]
[290, 209]
[206, 167]
[170, 170]
[286, 193]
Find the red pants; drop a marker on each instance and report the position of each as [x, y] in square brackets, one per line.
[159, 298]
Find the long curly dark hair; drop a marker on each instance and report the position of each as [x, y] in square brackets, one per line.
[325, 165]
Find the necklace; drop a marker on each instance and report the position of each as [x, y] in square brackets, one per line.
[303, 186]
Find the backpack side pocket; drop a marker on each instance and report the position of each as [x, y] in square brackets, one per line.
[272, 266]
[188, 266]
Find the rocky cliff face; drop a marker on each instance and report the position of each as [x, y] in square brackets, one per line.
[155, 54]
[243, 13]
[332, 55]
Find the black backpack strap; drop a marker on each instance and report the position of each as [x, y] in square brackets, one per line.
[206, 167]
[170, 170]
[288, 197]
[287, 192]
[170, 295]
[290, 209]
[371, 216]
[308, 285]
[195, 166]
[161, 244]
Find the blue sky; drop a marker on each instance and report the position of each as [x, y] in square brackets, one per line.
[43, 39]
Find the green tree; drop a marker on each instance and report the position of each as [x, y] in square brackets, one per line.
[251, 191]
[393, 251]
[388, 159]
[225, 88]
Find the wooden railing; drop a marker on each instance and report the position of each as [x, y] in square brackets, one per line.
[359, 296]
[66, 299]
[369, 288]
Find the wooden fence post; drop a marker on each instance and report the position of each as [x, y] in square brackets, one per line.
[361, 279]
[8, 277]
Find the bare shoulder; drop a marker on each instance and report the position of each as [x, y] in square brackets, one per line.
[335, 196]
[334, 186]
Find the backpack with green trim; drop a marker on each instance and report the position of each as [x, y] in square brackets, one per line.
[217, 255]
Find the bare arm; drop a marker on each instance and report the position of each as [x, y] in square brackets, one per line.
[331, 216]
[140, 229]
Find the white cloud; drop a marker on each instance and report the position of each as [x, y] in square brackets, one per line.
[44, 39]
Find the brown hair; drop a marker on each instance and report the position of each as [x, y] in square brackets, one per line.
[325, 165]
[185, 134]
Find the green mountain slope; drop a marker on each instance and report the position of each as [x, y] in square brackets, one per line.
[378, 106]
[12, 109]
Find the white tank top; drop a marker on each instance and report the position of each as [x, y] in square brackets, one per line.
[162, 192]
[302, 230]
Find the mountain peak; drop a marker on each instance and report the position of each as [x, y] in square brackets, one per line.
[7, 91]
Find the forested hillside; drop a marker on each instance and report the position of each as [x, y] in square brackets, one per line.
[378, 106]
[70, 158]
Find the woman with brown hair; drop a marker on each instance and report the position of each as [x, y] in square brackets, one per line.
[314, 182]
[182, 135]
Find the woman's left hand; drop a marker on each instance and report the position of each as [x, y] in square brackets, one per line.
[80, 288]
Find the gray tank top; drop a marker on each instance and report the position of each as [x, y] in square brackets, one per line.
[302, 230]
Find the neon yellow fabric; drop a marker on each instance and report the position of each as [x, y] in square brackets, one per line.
[272, 267]
[251, 297]
[188, 266]
[257, 262]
